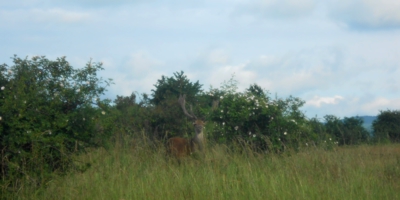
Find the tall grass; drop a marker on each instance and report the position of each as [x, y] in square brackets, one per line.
[142, 171]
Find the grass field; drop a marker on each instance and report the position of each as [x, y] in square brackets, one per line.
[141, 172]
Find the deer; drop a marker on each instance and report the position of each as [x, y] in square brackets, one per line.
[180, 147]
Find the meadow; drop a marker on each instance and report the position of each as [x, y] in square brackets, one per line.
[142, 171]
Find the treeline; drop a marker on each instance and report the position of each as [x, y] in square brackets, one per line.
[50, 111]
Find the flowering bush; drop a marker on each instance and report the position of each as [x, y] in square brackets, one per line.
[47, 113]
[256, 118]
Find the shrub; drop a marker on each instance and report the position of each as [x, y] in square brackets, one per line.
[48, 112]
[253, 116]
[387, 126]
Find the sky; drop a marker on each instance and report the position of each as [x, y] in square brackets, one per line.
[342, 57]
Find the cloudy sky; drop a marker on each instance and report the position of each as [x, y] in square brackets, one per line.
[341, 56]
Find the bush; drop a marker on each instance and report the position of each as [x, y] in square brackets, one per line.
[48, 112]
[387, 126]
[252, 116]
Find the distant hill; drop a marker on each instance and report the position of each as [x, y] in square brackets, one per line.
[368, 122]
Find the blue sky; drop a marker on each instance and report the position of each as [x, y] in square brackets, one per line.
[341, 56]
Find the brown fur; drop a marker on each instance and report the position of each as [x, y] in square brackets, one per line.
[179, 147]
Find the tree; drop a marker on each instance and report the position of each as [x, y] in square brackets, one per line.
[354, 132]
[172, 87]
[48, 111]
[348, 131]
[167, 116]
[387, 125]
[122, 103]
[334, 127]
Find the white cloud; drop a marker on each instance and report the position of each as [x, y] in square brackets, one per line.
[369, 14]
[297, 72]
[244, 76]
[218, 57]
[35, 15]
[278, 8]
[138, 74]
[318, 101]
[381, 103]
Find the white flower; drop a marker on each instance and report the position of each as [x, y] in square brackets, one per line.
[49, 132]
[221, 97]
[1, 118]
[330, 138]
[284, 133]
[2, 87]
[222, 111]
[223, 123]
[306, 144]
[254, 135]
[103, 112]
[249, 132]
[61, 85]
[24, 101]
[279, 139]
[78, 90]
[84, 119]
[236, 128]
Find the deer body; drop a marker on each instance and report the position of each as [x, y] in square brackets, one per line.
[180, 147]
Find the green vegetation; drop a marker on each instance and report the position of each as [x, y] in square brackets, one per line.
[143, 172]
[58, 139]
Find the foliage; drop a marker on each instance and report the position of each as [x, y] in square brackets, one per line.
[387, 125]
[254, 117]
[132, 116]
[167, 118]
[48, 111]
[168, 88]
[348, 131]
